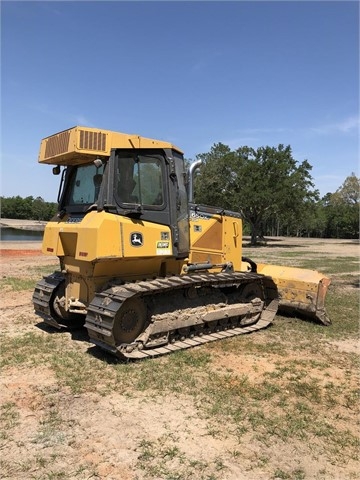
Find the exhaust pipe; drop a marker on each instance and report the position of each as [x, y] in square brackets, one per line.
[193, 167]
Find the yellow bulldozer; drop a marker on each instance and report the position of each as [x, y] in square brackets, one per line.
[143, 267]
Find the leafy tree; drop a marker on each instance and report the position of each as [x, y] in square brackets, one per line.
[260, 183]
[349, 192]
[42, 210]
[342, 209]
[16, 207]
[27, 208]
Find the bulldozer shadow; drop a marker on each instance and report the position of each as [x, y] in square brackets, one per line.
[80, 334]
[104, 356]
[77, 332]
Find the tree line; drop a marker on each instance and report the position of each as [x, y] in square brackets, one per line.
[28, 208]
[274, 193]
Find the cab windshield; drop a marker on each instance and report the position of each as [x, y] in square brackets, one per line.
[84, 185]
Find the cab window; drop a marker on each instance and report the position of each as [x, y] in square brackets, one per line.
[139, 180]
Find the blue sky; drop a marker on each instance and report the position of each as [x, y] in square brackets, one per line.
[192, 73]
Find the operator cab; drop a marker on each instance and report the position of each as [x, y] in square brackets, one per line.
[146, 185]
[129, 175]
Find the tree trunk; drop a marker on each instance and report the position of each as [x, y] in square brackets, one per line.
[254, 234]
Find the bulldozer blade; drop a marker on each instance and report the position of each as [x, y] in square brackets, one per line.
[301, 291]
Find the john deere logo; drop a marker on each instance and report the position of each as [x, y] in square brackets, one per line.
[136, 239]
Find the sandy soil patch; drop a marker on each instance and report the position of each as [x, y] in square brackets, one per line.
[55, 433]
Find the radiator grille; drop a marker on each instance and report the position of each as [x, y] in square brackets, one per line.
[92, 140]
[57, 144]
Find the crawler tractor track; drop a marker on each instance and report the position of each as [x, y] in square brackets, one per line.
[42, 298]
[156, 317]
[47, 298]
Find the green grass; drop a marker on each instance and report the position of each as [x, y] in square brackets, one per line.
[44, 269]
[162, 458]
[33, 275]
[17, 284]
[9, 418]
[295, 396]
[177, 373]
[50, 431]
[331, 266]
[299, 389]
[29, 348]
[343, 308]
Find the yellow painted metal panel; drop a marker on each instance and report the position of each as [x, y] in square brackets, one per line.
[226, 247]
[300, 290]
[233, 241]
[143, 239]
[80, 145]
[103, 235]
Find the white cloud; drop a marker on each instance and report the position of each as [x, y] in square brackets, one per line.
[328, 183]
[205, 61]
[82, 121]
[255, 131]
[253, 136]
[348, 125]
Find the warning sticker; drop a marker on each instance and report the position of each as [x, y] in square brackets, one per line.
[163, 248]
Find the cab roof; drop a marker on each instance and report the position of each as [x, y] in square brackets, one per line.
[79, 145]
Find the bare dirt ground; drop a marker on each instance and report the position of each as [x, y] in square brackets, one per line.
[100, 436]
[22, 224]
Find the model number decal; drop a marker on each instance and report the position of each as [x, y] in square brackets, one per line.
[74, 219]
[199, 216]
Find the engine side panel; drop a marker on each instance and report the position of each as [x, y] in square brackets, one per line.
[98, 236]
[215, 236]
